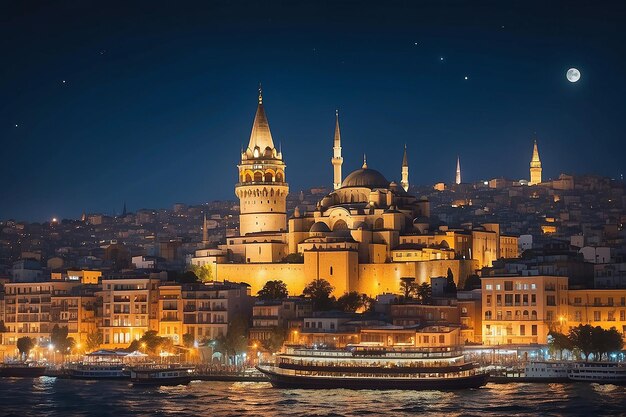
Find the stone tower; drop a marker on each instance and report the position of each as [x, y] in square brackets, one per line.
[337, 160]
[262, 189]
[535, 167]
[405, 171]
[458, 171]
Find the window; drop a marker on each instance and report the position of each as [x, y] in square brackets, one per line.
[331, 270]
[522, 330]
[488, 315]
[577, 300]
[550, 300]
[549, 315]
[578, 316]
[499, 299]
[489, 287]
[596, 301]
[508, 299]
[332, 326]
[489, 300]
[533, 330]
[610, 301]
[464, 310]
[517, 299]
[622, 315]
[498, 287]
[533, 299]
[596, 316]
[508, 285]
[533, 286]
[442, 339]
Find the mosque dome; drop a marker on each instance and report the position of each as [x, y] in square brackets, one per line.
[319, 227]
[365, 177]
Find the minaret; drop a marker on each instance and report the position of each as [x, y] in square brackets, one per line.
[405, 171]
[262, 189]
[337, 160]
[458, 170]
[535, 167]
[205, 233]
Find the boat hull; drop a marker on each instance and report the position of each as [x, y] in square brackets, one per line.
[22, 371]
[181, 380]
[307, 382]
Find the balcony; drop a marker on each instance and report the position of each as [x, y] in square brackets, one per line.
[189, 308]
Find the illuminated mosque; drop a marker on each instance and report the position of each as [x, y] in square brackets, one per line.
[364, 236]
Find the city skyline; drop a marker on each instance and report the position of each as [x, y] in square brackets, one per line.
[159, 119]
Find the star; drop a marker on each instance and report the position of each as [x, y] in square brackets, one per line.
[466, 77]
[63, 81]
[415, 44]
[16, 125]
[441, 59]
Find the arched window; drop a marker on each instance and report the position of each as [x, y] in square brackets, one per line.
[258, 176]
[340, 225]
[525, 315]
[379, 224]
[331, 270]
[488, 315]
[268, 177]
[533, 314]
[279, 177]
[248, 178]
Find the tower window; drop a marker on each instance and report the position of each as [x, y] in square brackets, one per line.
[331, 270]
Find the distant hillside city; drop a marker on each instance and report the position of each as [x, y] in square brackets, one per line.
[496, 262]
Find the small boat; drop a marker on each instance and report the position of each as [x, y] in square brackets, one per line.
[21, 370]
[364, 367]
[98, 371]
[598, 372]
[162, 375]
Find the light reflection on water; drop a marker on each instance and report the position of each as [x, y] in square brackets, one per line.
[58, 397]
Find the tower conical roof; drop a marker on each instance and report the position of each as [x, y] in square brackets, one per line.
[260, 135]
[405, 160]
[337, 141]
[535, 153]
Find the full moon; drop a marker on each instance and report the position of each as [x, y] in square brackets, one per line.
[573, 75]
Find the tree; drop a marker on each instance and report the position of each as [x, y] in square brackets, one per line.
[352, 301]
[203, 272]
[25, 345]
[60, 340]
[319, 291]
[581, 337]
[188, 340]
[276, 340]
[94, 340]
[559, 342]
[472, 283]
[407, 286]
[294, 258]
[450, 284]
[273, 290]
[236, 339]
[187, 277]
[424, 292]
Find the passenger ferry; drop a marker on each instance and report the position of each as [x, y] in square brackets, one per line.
[162, 375]
[98, 371]
[599, 372]
[371, 367]
[101, 364]
[21, 370]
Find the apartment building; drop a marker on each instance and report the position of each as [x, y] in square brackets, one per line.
[129, 309]
[522, 309]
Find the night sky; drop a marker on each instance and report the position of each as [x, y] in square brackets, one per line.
[150, 103]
